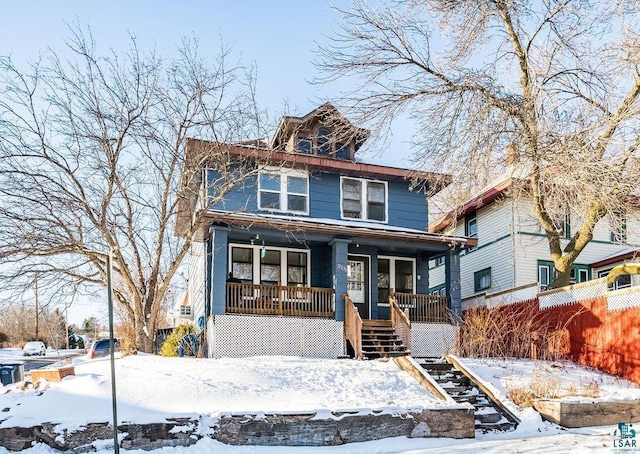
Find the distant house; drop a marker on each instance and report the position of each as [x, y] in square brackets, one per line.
[290, 253]
[513, 252]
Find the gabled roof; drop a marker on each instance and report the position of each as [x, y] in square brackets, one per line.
[620, 256]
[487, 196]
[329, 116]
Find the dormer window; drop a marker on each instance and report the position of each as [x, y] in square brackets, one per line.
[324, 145]
[305, 146]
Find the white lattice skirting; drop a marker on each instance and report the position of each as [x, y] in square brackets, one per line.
[432, 339]
[240, 336]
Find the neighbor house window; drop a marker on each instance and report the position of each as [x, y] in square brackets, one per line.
[563, 225]
[544, 277]
[482, 280]
[185, 311]
[622, 281]
[284, 190]
[618, 227]
[471, 229]
[364, 199]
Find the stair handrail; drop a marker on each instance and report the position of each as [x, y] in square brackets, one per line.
[353, 326]
[400, 322]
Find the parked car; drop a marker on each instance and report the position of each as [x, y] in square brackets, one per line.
[34, 348]
[100, 348]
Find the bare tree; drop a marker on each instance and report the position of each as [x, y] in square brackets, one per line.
[92, 160]
[557, 81]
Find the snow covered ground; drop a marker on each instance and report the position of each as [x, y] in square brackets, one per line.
[150, 388]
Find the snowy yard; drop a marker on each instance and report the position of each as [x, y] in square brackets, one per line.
[150, 388]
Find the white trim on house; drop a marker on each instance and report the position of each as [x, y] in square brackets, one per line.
[364, 215]
[283, 201]
[392, 272]
[256, 256]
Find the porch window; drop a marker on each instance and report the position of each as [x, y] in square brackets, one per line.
[242, 264]
[482, 280]
[297, 268]
[284, 190]
[404, 276]
[257, 264]
[270, 267]
[364, 199]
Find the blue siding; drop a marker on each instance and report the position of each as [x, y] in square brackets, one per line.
[406, 208]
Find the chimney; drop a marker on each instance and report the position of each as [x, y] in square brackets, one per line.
[513, 154]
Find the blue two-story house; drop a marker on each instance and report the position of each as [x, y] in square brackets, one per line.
[315, 250]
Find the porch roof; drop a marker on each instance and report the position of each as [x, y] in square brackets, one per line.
[339, 228]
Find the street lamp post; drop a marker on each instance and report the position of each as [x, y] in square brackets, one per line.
[116, 445]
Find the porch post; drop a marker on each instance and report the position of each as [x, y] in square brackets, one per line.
[452, 282]
[219, 260]
[340, 250]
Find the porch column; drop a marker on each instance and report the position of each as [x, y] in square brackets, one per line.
[452, 282]
[219, 259]
[340, 251]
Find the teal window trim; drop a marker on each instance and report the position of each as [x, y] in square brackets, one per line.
[579, 273]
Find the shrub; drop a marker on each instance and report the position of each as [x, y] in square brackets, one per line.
[171, 346]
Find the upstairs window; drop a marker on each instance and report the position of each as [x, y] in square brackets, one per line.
[305, 146]
[185, 311]
[323, 142]
[364, 199]
[284, 190]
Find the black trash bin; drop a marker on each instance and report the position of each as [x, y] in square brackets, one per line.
[11, 372]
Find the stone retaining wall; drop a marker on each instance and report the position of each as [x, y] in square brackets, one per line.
[255, 429]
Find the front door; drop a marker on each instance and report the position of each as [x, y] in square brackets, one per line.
[358, 284]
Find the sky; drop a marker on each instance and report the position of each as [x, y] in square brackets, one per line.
[278, 36]
[209, 388]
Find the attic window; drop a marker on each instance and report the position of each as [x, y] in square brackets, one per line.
[304, 146]
[324, 146]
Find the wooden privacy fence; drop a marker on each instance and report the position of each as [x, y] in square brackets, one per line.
[280, 300]
[588, 332]
[423, 308]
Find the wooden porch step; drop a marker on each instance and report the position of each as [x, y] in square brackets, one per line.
[366, 323]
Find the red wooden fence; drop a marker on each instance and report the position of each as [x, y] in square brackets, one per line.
[606, 340]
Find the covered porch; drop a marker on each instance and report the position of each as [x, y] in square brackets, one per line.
[270, 271]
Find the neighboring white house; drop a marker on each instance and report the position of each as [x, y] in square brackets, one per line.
[513, 251]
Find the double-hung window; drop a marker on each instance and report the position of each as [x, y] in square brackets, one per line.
[284, 190]
[364, 199]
